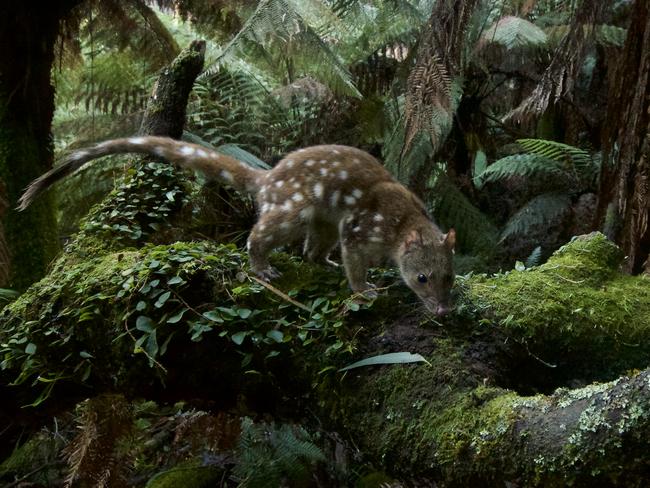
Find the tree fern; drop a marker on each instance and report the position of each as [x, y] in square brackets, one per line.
[526, 165]
[269, 455]
[573, 159]
[538, 212]
[278, 24]
[512, 33]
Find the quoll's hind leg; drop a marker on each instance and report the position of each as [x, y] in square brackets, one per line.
[321, 238]
[273, 229]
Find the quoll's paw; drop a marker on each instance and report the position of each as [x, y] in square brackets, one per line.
[268, 274]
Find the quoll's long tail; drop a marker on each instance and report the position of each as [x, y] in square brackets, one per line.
[184, 154]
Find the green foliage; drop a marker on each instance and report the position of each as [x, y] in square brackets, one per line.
[82, 321]
[557, 170]
[526, 165]
[276, 29]
[270, 455]
[140, 206]
[538, 212]
[514, 32]
[475, 232]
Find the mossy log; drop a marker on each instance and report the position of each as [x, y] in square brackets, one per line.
[153, 321]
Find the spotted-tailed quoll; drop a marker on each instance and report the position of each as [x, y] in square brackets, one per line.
[327, 194]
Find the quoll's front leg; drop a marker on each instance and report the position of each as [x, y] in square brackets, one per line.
[356, 264]
[273, 229]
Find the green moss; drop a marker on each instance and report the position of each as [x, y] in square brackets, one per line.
[576, 303]
[31, 235]
[189, 475]
[41, 451]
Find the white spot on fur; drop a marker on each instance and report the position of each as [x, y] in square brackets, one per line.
[310, 162]
[290, 163]
[357, 193]
[265, 207]
[287, 206]
[334, 198]
[349, 200]
[356, 229]
[201, 153]
[378, 217]
[296, 185]
[269, 238]
[159, 151]
[336, 163]
[279, 183]
[137, 140]
[356, 160]
[261, 227]
[297, 197]
[335, 151]
[186, 150]
[318, 190]
[227, 175]
[274, 197]
[285, 225]
[79, 155]
[376, 239]
[324, 171]
[343, 175]
[376, 229]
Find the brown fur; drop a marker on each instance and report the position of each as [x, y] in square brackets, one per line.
[327, 195]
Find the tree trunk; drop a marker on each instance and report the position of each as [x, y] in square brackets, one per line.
[624, 203]
[28, 32]
[167, 105]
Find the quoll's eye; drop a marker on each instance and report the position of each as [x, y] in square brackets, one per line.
[422, 278]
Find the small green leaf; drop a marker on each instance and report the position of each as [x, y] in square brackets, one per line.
[174, 319]
[85, 355]
[162, 299]
[175, 280]
[244, 313]
[141, 306]
[519, 266]
[154, 264]
[144, 323]
[276, 335]
[391, 358]
[213, 316]
[238, 337]
[30, 348]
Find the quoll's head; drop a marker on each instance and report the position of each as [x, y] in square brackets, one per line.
[426, 266]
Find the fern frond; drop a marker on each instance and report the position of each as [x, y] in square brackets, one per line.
[278, 22]
[527, 165]
[92, 454]
[534, 258]
[512, 33]
[537, 212]
[585, 166]
[476, 233]
[610, 35]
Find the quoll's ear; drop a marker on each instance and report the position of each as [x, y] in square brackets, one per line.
[413, 239]
[449, 239]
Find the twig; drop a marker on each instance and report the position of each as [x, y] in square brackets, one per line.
[279, 293]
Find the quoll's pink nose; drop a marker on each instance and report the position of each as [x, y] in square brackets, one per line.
[442, 310]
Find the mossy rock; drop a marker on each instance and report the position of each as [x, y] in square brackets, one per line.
[41, 450]
[187, 476]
